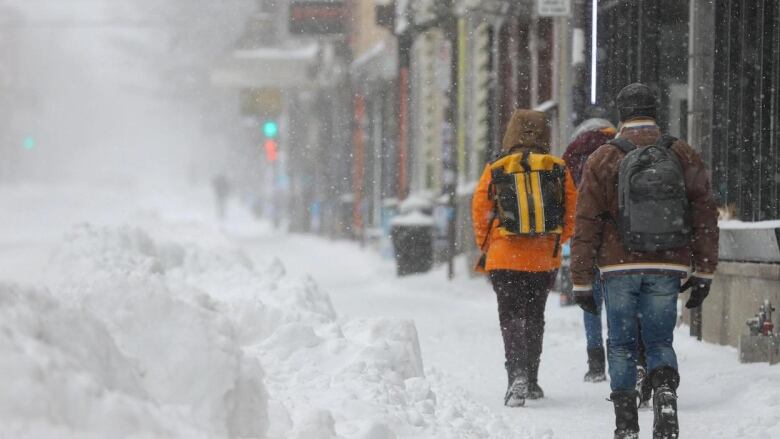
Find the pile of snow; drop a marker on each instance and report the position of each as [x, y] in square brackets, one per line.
[413, 219]
[363, 379]
[138, 337]
[64, 376]
[150, 339]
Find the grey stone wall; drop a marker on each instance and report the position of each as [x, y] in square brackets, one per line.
[737, 292]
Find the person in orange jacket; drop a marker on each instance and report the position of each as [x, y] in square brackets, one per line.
[522, 268]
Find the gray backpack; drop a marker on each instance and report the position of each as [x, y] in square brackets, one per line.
[653, 206]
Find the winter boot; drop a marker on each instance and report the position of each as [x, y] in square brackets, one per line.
[644, 389]
[596, 366]
[517, 390]
[665, 380]
[534, 390]
[626, 416]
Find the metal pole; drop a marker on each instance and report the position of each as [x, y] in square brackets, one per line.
[404, 49]
[378, 157]
[533, 45]
[564, 83]
[495, 103]
[454, 29]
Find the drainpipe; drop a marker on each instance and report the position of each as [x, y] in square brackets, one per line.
[404, 60]
[497, 85]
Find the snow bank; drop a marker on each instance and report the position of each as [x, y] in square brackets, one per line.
[165, 343]
[364, 380]
[64, 376]
[144, 338]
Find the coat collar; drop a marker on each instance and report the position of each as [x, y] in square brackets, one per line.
[633, 124]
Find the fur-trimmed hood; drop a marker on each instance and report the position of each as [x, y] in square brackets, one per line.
[527, 129]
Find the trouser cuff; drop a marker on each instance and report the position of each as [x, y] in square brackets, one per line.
[665, 375]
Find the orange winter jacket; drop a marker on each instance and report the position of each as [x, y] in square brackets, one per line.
[517, 252]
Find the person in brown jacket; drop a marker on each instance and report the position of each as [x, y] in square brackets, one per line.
[645, 283]
[522, 268]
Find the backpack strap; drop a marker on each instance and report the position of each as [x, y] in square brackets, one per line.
[524, 160]
[624, 145]
[665, 141]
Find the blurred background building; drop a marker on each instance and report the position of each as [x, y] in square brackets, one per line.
[381, 99]
[380, 102]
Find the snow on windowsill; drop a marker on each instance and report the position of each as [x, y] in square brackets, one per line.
[738, 225]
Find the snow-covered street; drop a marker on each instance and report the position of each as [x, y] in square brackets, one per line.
[174, 174]
[144, 317]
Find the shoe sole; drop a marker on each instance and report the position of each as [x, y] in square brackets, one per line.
[515, 402]
[666, 420]
[517, 394]
[595, 380]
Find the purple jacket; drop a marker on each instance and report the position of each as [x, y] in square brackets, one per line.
[581, 147]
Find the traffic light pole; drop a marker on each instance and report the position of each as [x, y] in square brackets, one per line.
[404, 62]
[453, 30]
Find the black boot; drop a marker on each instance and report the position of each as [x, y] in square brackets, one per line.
[626, 417]
[534, 390]
[596, 366]
[665, 380]
[517, 389]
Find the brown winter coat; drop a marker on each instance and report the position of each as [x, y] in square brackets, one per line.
[597, 242]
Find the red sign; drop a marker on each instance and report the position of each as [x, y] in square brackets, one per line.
[318, 17]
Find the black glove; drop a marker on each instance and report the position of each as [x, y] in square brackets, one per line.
[700, 289]
[584, 298]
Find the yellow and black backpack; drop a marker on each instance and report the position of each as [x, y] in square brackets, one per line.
[528, 190]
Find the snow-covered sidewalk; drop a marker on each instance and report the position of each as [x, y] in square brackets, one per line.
[155, 321]
[164, 328]
[462, 352]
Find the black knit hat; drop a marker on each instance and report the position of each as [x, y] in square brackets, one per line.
[636, 100]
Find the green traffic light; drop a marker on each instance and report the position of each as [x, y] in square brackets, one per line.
[270, 129]
[28, 143]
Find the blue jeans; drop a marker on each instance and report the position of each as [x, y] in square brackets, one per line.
[651, 298]
[593, 322]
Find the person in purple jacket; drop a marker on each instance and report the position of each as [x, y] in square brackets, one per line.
[587, 138]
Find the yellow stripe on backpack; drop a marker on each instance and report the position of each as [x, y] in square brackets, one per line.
[522, 202]
[536, 190]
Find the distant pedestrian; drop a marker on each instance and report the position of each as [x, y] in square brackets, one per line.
[221, 187]
[587, 138]
[523, 211]
[645, 217]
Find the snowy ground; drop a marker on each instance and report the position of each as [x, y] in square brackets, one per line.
[152, 320]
